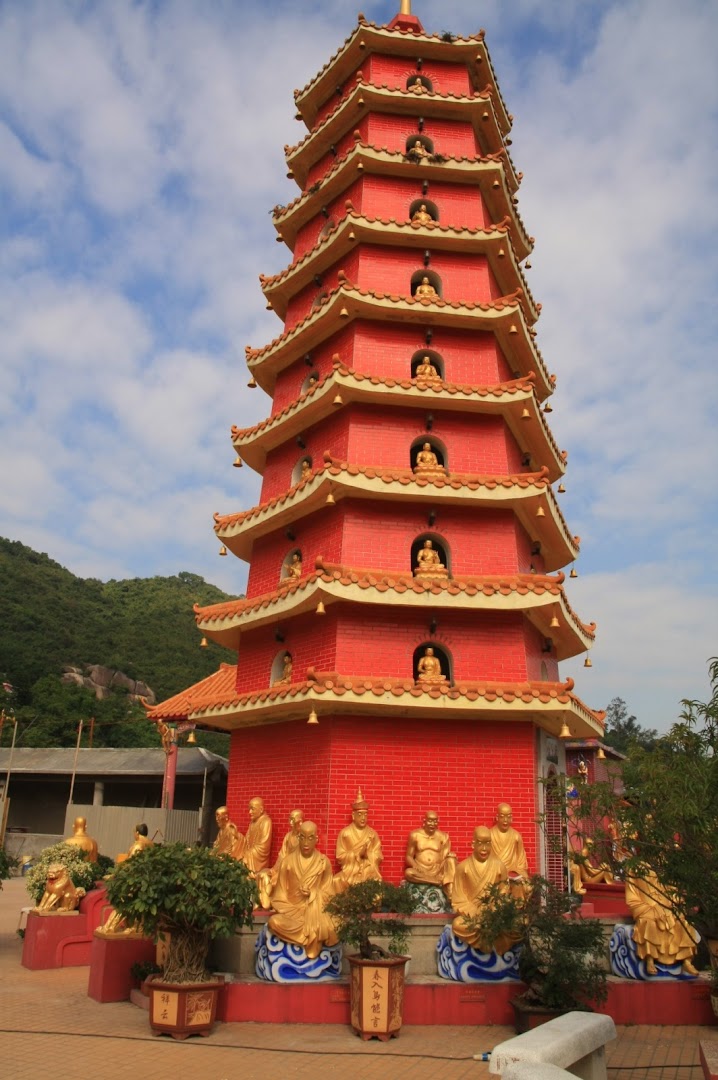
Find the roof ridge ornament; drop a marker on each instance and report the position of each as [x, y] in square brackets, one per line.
[405, 7]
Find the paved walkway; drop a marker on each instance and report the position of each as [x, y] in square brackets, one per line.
[49, 1025]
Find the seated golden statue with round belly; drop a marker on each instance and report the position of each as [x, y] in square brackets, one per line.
[422, 216]
[427, 463]
[428, 563]
[429, 858]
[426, 372]
[425, 290]
[429, 668]
[303, 886]
[474, 877]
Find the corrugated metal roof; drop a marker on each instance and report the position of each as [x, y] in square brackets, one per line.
[191, 761]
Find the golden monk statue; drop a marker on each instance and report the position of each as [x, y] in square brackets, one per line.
[306, 470]
[417, 87]
[426, 372]
[140, 842]
[81, 840]
[253, 849]
[428, 563]
[660, 937]
[474, 876]
[228, 837]
[60, 895]
[286, 676]
[426, 291]
[303, 886]
[583, 870]
[293, 569]
[291, 838]
[358, 848]
[507, 845]
[429, 858]
[429, 668]
[427, 463]
[420, 151]
[422, 216]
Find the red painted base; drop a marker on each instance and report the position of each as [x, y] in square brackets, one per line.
[436, 1001]
[606, 900]
[110, 963]
[53, 941]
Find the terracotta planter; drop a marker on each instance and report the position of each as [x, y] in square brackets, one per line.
[182, 1009]
[528, 1017]
[377, 996]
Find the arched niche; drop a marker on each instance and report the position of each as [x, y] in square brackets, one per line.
[417, 279]
[281, 673]
[431, 208]
[419, 80]
[435, 445]
[292, 565]
[302, 469]
[415, 137]
[441, 653]
[309, 381]
[327, 227]
[435, 359]
[439, 545]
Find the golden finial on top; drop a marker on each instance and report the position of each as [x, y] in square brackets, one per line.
[405, 7]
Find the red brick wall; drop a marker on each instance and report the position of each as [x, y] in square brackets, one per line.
[316, 534]
[452, 138]
[472, 357]
[462, 769]
[394, 72]
[290, 381]
[308, 235]
[384, 197]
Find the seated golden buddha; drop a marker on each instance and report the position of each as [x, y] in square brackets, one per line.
[425, 290]
[427, 463]
[428, 563]
[422, 216]
[429, 669]
[426, 372]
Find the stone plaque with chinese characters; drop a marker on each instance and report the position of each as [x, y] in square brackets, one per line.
[164, 1007]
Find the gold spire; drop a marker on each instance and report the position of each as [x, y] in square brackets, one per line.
[405, 7]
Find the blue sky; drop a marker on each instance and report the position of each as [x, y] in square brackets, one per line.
[140, 155]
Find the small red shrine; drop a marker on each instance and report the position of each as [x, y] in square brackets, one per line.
[409, 404]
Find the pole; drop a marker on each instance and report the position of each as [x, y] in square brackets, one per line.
[6, 793]
[74, 764]
[171, 773]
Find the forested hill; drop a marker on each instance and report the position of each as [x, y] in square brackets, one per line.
[143, 627]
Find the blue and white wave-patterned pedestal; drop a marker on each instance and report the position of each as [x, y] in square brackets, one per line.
[279, 961]
[461, 963]
[626, 962]
[429, 899]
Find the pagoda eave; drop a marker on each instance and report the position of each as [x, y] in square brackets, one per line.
[494, 243]
[488, 174]
[533, 503]
[548, 711]
[368, 98]
[349, 303]
[368, 38]
[319, 402]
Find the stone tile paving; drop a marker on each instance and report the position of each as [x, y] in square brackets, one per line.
[46, 1019]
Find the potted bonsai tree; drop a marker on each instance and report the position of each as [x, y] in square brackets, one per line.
[563, 958]
[366, 910]
[188, 896]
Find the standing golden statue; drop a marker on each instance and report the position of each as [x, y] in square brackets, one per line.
[508, 846]
[429, 858]
[81, 840]
[301, 890]
[427, 463]
[426, 372]
[358, 848]
[428, 563]
[425, 290]
[253, 848]
[474, 877]
[660, 937]
[429, 668]
[229, 837]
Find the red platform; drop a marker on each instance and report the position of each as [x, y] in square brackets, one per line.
[436, 1001]
[607, 900]
[110, 961]
[53, 941]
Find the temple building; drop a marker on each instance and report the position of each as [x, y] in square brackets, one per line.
[405, 613]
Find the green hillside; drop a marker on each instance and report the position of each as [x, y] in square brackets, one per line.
[143, 627]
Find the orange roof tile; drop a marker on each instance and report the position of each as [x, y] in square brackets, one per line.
[218, 688]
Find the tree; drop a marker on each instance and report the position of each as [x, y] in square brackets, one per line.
[623, 731]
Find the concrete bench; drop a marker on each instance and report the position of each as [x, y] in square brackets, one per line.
[528, 1070]
[575, 1042]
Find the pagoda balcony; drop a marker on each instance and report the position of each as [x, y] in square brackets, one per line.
[548, 705]
[515, 400]
[527, 494]
[539, 597]
[367, 98]
[368, 39]
[487, 173]
[494, 243]
[503, 317]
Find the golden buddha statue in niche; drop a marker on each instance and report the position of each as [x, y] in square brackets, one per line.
[425, 290]
[253, 848]
[474, 877]
[286, 677]
[417, 87]
[427, 463]
[429, 858]
[302, 887]
[429, 668]
[659, 935]
[428, 563]
[81, 840]
[422, 216]
[358, 848]
[293, 569]
[306, 473]
[420, 151]
[426, 372]
[508, 846]
[228, 836]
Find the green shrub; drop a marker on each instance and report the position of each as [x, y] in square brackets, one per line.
[83, 874]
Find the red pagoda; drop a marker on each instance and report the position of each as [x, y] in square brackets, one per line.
[405, 611]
